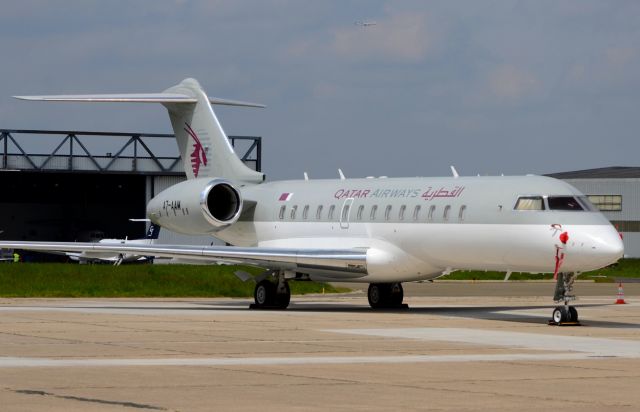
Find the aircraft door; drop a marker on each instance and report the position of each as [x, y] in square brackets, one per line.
[344, 213]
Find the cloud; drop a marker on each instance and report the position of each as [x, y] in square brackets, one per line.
[402, 36]
[512, 83]
[620, 57]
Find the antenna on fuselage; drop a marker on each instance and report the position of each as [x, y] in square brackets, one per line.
[454, 171]
[341, 174]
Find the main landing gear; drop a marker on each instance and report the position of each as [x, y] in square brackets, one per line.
[565, 315]
[272, 295]
[386, 295]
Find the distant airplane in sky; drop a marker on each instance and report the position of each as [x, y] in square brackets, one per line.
[365, 23]
[381, 231]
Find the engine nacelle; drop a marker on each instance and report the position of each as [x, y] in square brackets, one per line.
[197, 207]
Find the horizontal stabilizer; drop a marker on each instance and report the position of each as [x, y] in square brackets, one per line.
[204, 146]
[135, 98]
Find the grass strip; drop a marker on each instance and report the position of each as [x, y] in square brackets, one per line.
[625, 268]
[72, 280]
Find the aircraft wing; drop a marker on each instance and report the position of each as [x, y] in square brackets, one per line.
[331, 263]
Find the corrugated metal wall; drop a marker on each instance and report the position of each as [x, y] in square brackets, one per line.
[629, 189]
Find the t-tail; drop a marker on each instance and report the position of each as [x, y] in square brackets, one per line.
[153, 232]
[203, 144]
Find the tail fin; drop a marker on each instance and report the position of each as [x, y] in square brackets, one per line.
[153, 232]
[203, 144]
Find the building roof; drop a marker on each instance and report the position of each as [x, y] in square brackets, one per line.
[614, 172]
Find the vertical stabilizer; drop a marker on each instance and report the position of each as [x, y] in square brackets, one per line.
[203, 144]
[204, 147]
[153, 232]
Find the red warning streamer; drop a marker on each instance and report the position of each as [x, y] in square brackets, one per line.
[564, 238]
[559, 260]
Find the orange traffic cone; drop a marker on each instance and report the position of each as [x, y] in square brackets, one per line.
[620, 295]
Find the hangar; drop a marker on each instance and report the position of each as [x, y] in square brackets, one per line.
[89, 184]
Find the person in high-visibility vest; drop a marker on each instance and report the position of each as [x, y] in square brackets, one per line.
[16, 257]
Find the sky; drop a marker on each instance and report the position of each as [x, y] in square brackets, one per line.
[490, 86]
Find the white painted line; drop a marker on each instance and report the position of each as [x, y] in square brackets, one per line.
[13, 362]
[536, 341]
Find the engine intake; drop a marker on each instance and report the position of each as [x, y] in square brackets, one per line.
[221, 203]
[197, 206]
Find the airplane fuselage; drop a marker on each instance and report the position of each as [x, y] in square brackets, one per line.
[420, 228]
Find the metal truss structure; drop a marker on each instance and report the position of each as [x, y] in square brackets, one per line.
[133, 157]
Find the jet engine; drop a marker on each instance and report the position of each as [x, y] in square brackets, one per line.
[197, 207]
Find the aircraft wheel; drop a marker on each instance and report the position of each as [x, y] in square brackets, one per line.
[378, 294]
[573, 314]
[561, 314]
[396, 295]
[283, 297]
[264, 293]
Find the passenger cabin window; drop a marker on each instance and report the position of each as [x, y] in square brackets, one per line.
[360, 210]
[283, 208]
[402, 210]
[374, 209]
[332, 208]
[416, 212]
[432, 210]
[387, 212]
[319, 212]
[566, 203]
[463, 209]
[530, 203]
[294, 209]
[445, 215]
[345, 213]
[305, 212]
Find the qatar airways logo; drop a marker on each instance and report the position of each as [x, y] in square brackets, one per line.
[198, 156]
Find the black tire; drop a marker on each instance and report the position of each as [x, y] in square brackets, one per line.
[378, 294]
[573, 314]
[396, 295]
[561, 314]
[264, 294]
[283, 298]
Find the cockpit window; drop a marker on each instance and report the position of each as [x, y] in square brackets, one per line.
[530, 203]
[569, 203]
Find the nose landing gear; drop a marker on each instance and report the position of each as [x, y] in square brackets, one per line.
[565, 315]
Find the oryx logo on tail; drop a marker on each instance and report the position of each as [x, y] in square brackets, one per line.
[198, 156]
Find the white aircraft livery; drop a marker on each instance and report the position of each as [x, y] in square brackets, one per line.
[381, 231]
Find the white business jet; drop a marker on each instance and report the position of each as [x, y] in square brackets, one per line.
[117, 258]
[381, 231]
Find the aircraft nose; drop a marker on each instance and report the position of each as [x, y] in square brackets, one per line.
[615, 246]
[608, 246]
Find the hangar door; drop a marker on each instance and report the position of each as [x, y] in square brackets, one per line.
[70, 207]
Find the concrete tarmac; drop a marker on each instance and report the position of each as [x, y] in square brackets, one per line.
[460, 347]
